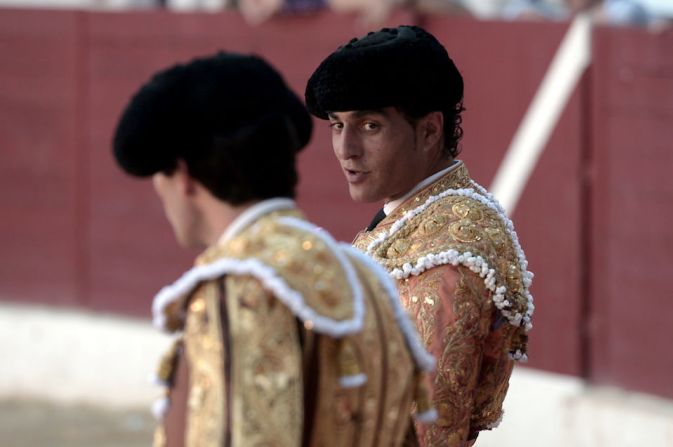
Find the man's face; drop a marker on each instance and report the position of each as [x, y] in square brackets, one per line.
[379, 152]
[179, 209]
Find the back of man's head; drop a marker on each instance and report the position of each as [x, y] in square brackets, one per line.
[404, 67]
[230, 117]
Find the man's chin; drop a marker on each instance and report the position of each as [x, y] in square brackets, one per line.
[362, 196]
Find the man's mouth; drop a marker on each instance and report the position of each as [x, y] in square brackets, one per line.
[355, 176]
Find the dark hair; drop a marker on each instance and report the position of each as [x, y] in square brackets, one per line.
[452, 130]
[230, 117]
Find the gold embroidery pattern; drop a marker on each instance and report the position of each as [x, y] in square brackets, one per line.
[456, 179]
[261, 362]
[422, 301]
[266, 367]
[458, 365]
[433, 225]
[473, 366]
[300, 258]
[378, 412]
[203, 348]
[467, 226]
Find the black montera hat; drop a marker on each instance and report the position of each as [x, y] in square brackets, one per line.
[404, 66]
[219, 103]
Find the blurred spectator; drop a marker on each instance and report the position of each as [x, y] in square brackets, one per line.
[256, 11]
[535, 10]
[625, 12]
[485, 9]
[197, 5]
[374, 12]
[369, 11]
[614, 12]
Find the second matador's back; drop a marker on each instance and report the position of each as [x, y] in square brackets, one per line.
[321, 351]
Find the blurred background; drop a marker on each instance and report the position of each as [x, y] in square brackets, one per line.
[569, 110]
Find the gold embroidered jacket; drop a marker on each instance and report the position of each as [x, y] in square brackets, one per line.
[462, 276]
[288, 340]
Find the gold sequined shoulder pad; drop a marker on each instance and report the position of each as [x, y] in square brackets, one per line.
[302, 258]
[458, 223]
[454, 222]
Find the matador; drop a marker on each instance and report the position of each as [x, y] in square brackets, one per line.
[394, 100]
[284, 337]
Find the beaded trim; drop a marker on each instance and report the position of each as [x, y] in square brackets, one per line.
[475, 263]
[427, 417]
[353, 381]
[333, 246]
[527, 276]
[271, 281]
[253, 213]
[494, 424]
[519, 356]
[160, 408]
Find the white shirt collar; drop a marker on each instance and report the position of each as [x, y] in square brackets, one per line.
[390, 206]
[253, 213]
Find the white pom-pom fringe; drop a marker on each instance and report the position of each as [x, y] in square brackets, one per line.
[160, 408]
[427, 417]
[497, 422]
[155, 380]
[487, 199]
[270, 281]
[519, 356]
[354, 381]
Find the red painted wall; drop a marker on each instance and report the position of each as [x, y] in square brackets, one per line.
[632, 210]
[75, 231]
[40, 165]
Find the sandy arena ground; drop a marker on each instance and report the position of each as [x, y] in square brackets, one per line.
[33, 423]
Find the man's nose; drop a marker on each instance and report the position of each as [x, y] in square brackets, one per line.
[347, 145]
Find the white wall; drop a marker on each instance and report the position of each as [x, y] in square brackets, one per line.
[80, 357]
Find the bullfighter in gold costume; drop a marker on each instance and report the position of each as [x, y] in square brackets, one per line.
[284, 336]
[394, 101]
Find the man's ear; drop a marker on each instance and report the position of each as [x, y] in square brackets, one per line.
[432, 130]
[186, 181]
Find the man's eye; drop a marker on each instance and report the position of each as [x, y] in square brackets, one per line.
[370, 125]
[336, 126]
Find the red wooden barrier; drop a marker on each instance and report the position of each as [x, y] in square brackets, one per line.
[41, 221]
[632, 260]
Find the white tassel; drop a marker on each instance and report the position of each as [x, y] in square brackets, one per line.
[353, 381]
[497, 422]
[155, 380]
[427, 417]
[160, 408]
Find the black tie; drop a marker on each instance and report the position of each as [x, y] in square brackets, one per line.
[375, 221]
